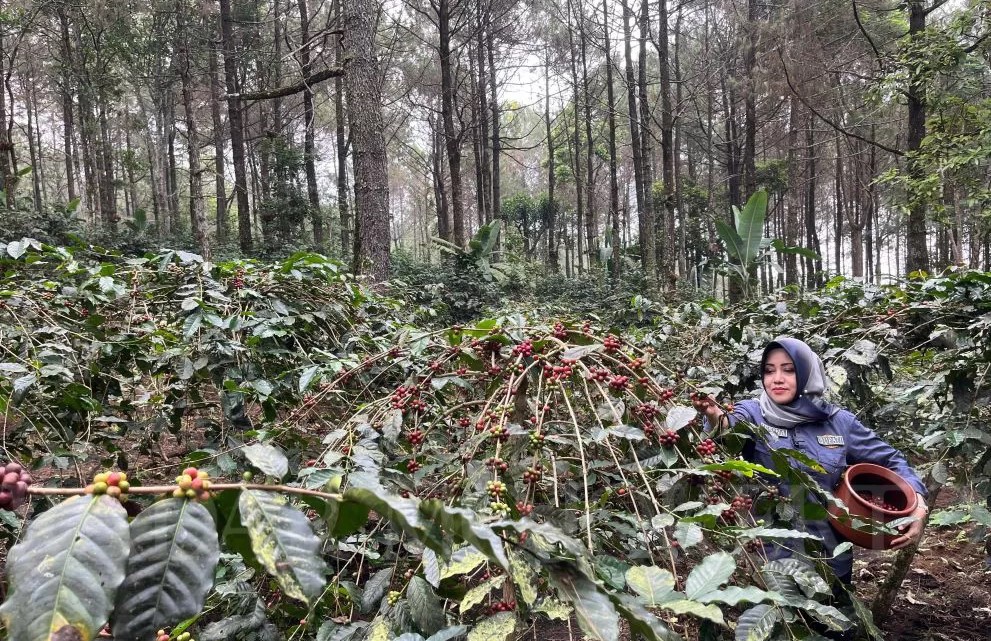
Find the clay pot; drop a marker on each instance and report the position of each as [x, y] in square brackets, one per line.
[875, 493]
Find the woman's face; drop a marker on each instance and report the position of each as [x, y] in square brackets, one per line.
[780, 380]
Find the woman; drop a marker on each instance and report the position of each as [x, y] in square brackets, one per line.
[797, 417]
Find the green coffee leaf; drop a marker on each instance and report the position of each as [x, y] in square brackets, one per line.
[425, 607]
[707, 576]
[267, 458]
[652, 583]
[497, 627]
[757, 623]
[284, 543]
[174, 551]
[65, 574]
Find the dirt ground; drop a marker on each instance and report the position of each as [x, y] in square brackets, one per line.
[947, 593]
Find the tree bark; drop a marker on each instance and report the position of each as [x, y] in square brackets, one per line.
[496, 202]
[363, 82]
[613, 169]
[647, 215]
[576, 156]
[552, 255]
[917, 252]
[219, 146]
[343, 210]
[197, 215]
[452, 138]
[667, 268]
[235, 119]
[309, 164]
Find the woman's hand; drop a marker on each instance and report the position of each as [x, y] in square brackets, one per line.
[707, 406]
[912, 532]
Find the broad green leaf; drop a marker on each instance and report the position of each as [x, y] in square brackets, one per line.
[332, 631]
[267, 458]
[593, 609]
[688, 534]
[701, 610]
[734, 594]
[255, 626]
[827, 615]
[652, 583]
[402, 513]
[776, 533]
[707, 576]
[174, 551]
[375, 589]
[431, 567]
[546, 531]
[731, 239]
[524, 577]
[449, 633]
[379, 630]
[284, 543]
[611, 570]
[865, 617]
[642, 622]
[468, 526]
[679, 416]
[350, 517]
[426, 608]
[745, 468]
[554, 609]
[64, 575]
[478, 593]
[757, 623]
[495, 628]
[307, 377]
[750, 226]
[463, 561]
[804, 575]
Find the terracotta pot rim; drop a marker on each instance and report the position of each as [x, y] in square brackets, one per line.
[856, 505]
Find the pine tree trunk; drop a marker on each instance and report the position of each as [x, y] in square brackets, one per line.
[613, 168]
[647, 216]
[666, 268]
[235, 118]
[343, 210]
[371, 179]
[552, 255]
[576, 156]
[452, 138]
[496, 202]
[917, 252]
[219, 146]
[197, 215]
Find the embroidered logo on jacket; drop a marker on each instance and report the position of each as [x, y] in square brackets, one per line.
[780, 432]
[830, 440]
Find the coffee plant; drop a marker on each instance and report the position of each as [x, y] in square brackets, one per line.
[429, 483]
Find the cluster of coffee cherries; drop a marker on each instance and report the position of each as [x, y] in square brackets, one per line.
[533, 474]
[502, 606]
[394, 596]
[599, 374]
[162, 635]
[612, 343]
[524, 349]
[14, 487]
[879, 502]
[619, 383]
[416, 437]
[113, 484]
[706, 447]
[496, 463]
[559, 331]
[525, 509]
[192, 484]
[669, 438]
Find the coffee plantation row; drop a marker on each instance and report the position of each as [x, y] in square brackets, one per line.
[356, 474]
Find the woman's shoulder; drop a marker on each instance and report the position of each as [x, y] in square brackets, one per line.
[748, 410]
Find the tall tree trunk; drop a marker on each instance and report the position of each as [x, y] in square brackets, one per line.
[309, 163]
[235, 119]
[667, 268]
[172, 167]
[108, 189]
[496, 202]
[813, 268]
[793, 211]
[343, 209]
[750, 103]
[440, 181]
[613, 169]
[591, 218]
[633, 113]
[68, 129]
[649, 244]
[452, 138]
[219, 146]
[576, 167]
[363, 82]
[485, 168]
[33, 150]
[917, 252]
[552, 256]
[197, 214]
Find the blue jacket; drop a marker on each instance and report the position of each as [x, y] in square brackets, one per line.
[835, 443]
